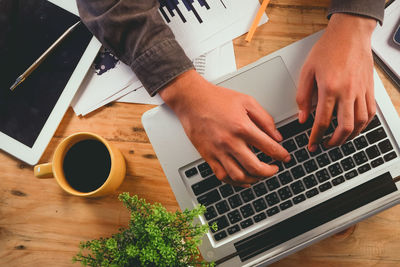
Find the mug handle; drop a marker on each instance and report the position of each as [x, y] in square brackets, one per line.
[44, 170]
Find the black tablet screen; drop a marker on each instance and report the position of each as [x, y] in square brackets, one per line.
[27, 29]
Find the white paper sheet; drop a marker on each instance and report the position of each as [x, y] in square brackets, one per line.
[105, 78]
[218, 22]
[69, 5]
[382, 38]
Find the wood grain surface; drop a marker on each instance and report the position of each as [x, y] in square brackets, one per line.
[40, 225]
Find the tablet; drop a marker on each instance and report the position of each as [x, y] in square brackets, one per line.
[31, 113]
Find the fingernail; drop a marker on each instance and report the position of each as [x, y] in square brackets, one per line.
[301, 116]
[287, 159]
[313, 148]
[278, 136]
[276, 168]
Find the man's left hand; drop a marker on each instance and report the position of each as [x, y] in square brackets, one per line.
[339, 70]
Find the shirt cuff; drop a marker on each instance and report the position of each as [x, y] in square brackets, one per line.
[368, 8]
[160, 64]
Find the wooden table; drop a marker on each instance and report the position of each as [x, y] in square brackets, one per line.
[40, 225]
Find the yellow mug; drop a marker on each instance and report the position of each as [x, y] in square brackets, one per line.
[55, 169]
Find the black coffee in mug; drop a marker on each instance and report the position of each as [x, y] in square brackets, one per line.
[87, 165]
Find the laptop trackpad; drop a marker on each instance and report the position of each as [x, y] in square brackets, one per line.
[270, 83]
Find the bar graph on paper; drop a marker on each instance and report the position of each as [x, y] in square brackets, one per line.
[171, 8]
[202, 25]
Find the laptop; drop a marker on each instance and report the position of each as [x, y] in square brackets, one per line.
[310, 198]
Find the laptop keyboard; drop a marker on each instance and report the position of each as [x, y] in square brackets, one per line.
[305, 176]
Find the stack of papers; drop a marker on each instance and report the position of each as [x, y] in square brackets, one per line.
[205, 30]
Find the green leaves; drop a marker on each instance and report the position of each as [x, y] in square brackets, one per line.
[155, 237]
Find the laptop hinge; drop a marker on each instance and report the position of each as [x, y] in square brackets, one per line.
[313, 217]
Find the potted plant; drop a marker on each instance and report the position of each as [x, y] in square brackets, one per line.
[154, 237]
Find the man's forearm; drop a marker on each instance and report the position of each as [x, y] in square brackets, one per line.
[135, 32]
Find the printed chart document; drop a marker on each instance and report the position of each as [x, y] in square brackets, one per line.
[202, 25]
[106, 77]
[199, 26]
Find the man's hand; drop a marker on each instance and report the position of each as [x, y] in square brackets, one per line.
[340, 65]
[222, 124]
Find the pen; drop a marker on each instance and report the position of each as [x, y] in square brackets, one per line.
[38, 61]
[253, 27]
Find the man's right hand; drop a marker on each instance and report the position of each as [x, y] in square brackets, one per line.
[223, 125]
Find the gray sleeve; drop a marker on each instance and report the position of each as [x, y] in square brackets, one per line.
[369, 8]
[138, 36]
